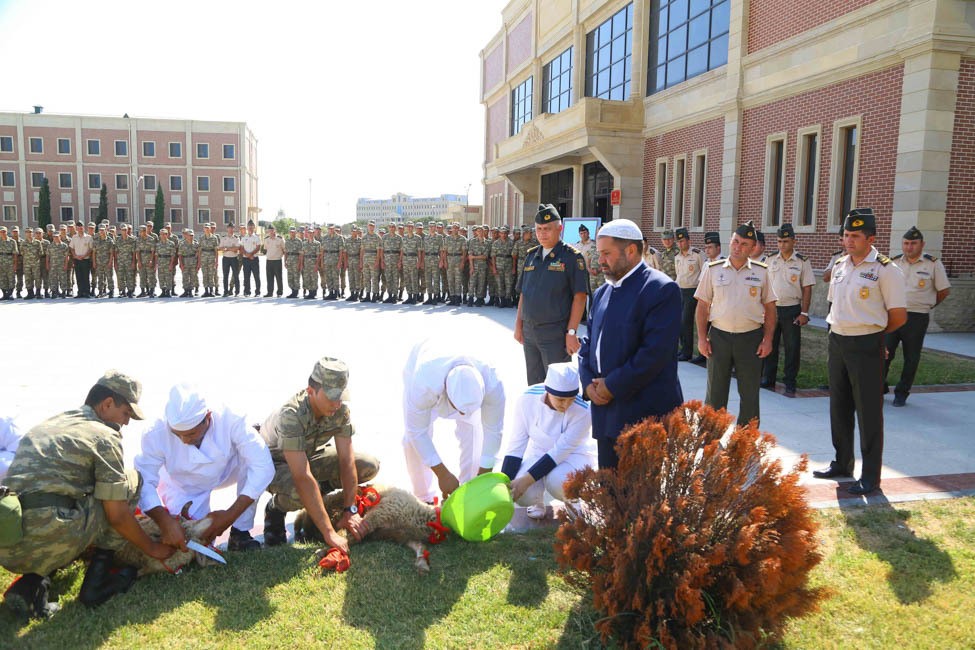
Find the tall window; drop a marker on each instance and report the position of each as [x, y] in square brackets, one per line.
[699, 189]
[521, 105]
[609, 59]
[229, 216]
[557, 83]
[688, 37]
[176, 215]
[807, 177]
[774, 179]
[67, 213]
[10, 213]
[847, 166]
[203, 215]
[660, 195]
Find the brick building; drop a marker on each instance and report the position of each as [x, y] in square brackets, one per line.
[207, 170]
[707, 113]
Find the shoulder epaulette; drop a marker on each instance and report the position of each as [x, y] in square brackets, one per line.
[883, 259]
[716, 262]
[776, 253]
[571, 248]
[800, 256]
[533, 248]
[839, 252]
[696, 250]
[897, 257]
[930, 258]
[652, 250]
[761, 264]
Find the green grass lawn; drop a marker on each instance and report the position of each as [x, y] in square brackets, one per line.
[900, 576]
[935, 368]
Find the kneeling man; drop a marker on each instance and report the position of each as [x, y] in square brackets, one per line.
[193, 451]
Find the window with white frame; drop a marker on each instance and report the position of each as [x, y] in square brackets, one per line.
[121, 148]
[660, 195]
[229, 216]
[229, 152]
[807, 177]
[521, 105]
[148, 149]
[202, 183]
[699, 178]
[6, 144]
[94, 181]
[229, 184]
[203, 215]
[609, 57]
[680, 173]
[10, 213]
[121, 181]
[67, 213]
[121, 215]
[557, 83]
[774, 200]
[176, 183]
[94, 147]
[149, 182]
[6, 179]
[36, 179]
[36, 145]
[175, 149]
[65, 180]
[202, 150]
[176, 215]
[92, 212]
[150, 214]
[845, 169]
[64, 146]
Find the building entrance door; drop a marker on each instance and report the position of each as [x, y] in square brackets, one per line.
[597, 186]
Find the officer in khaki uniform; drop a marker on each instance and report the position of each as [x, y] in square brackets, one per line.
[868, 300]
[74, 492]
[310, 438]
[735, 298]
[792, 283]
[926, 287]
[712, 246]
[688, 264]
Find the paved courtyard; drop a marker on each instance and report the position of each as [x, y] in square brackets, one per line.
[254, 353]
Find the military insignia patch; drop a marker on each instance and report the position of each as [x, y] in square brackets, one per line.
[793, 278]
[921, 283]
[864, 292]
[857, 223]
[752, 291]
[582, 265]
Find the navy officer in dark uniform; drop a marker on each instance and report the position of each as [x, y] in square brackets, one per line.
[553, 287]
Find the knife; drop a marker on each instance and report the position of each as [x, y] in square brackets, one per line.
[205, 550]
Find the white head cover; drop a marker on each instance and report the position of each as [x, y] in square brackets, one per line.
[186, 408]
[562, 379]
[465, 388]
[621, 229]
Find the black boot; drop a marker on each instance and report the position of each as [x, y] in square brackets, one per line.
[99, 584]
[30, 294]
[27, 596]
[293, 294]
[241, 540]
[274, 531]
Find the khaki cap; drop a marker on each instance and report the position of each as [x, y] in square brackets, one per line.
[333, 375]
[125, 387]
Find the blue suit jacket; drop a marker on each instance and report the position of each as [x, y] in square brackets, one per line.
[640, 326]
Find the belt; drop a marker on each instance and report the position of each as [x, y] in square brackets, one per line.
[409, 254]
[454, 254]
[166, 256]
[33, 500]
[6, 253]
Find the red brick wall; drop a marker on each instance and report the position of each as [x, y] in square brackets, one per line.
[686, 141]
[519, 43]
[493, 68]
[771, 21]
[960, 212]
[497, 127]
[876, 98]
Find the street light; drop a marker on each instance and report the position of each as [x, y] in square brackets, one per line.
[135, 197]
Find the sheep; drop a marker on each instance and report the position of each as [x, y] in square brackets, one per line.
[398, 517]
[193, 528]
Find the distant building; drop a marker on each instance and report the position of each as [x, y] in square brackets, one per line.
[207, 170]
[403, 207]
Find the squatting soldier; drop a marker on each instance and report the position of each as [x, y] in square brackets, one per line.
[126, 250]
[9, 251]
[103, 263]
[430, 262]
[311, 253]
[166, 256]
[292, 261]
[189, 263]
[146, 250]
[332, 247]
[668, 254]
[58, 259]
[372, 249]
[411, 260]
[208, 261]
[353, 260]
[454, 257]
[501, 266]
[31, 254]
[43, 245]
[392, 263]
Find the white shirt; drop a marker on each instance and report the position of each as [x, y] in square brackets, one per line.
[274, 247]
[250, 244]
[862, 294]
[425, 399]
[10, 437]
[228, 443]
[614, 285]
[539, 429]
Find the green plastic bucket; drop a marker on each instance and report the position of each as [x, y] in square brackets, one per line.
[480, 508]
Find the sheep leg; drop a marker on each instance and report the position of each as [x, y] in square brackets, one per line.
[421, 562]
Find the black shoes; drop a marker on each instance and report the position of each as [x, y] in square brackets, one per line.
[863, 487]
[100, 583]
[275, 533]
[790, 391]
[683, 357]
[900, 400]
[765, 383]
[833, 471]
[241, 540]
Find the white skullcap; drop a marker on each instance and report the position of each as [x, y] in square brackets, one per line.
[621, 229]
[186, 408]
[465, 388]
[562, 379]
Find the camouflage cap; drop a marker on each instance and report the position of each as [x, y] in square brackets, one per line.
[125, 387]
[38, 231]
[3, 229]
[15, 229]
[667, 234]
[333, 375]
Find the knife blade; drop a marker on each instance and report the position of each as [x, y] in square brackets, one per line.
[205, 550]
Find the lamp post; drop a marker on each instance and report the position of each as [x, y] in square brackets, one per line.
[135, 197]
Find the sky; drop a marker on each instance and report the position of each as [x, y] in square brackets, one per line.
[365, 98]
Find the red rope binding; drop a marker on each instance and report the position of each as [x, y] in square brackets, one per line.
[439, 533]
[367, 499]
[336, 560]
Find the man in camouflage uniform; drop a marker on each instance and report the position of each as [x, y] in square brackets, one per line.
[102, 262]
[501, 267]
[519, 254]
[421, 283]
[332, 246]
[18, 260]
[9, 251]
[392, 263]
[443, 231]
[596, 277]
[310, 261]
[146, 258]
[75, 493]
[310, 438]
[477, 256]
[126, 250]
[43, 244]
[455, 258]
[668, 254]
[166, 255]
[372, 249]
[208, 261]
[493, 281]
[343, 262]
[30, 251]
[189, 263]
[411, 260]
[58, 257]
[292, 260]
[430, 263]
[353, 260]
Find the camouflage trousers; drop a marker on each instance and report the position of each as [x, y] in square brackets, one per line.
[411, 275]
[147, 276]
[166, 275]
[6, 273]
[54, 537]
[494, 283]
[19, 275]
[392, 272]
[191, 274]
[309, 278]
[32, 274]
[209, 268]
[294, 277]
[506, 280]
[455, 276]
[104, 278]
[45, 278]
[596, 281]
[355, 275]
[126, 277]
[325, 468]
[58, 280]
[330, 273]
[342, 281]
[431, 274]
[443, 281]
[370, 274]
[479, 279]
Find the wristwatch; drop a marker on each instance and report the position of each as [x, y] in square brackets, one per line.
[351, 510]
[571, 332]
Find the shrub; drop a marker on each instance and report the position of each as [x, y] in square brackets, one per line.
[688, 543]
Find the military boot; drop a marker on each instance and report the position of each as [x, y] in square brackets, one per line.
[410, 300]
[100, 583]
[274, 530]
[30, 294]
[479, 302]
[241, 540]
[293, 294]
[27, 597]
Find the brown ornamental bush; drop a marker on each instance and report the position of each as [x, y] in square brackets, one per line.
[689, 544]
